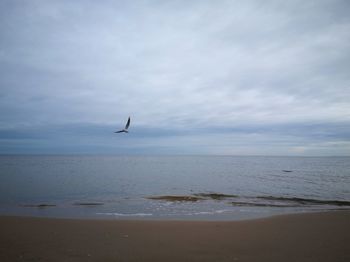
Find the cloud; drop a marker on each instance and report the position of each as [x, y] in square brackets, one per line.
[174, 65]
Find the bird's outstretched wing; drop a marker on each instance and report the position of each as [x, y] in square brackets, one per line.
[120, 131]
[127, 124]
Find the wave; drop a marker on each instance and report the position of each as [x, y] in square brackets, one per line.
[254, 204]
[209, 212]
[192, 198]
[306, 201]
[88, 204]
[216, 196]
[176, 198]
[126, 215]
[258, 201]
[38, 205]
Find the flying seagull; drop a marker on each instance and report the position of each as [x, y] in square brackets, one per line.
[125, 130]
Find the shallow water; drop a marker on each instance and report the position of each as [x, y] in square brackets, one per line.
[123, 187]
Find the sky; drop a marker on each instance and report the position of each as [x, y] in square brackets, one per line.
[196, 77]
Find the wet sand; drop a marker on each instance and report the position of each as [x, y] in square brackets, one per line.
[298, 237]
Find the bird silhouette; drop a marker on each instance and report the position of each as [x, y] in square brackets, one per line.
[125, 130]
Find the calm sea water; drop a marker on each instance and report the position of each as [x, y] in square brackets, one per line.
[118, 187]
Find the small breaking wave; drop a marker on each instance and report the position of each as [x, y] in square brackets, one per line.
[216, 196]
[210, 212]
[253, 201]
[38, 205]
[192, 198]
[125, 214]
[306, 201]
[88, 204]
[254, 204]
[176, 198]
[273, 201]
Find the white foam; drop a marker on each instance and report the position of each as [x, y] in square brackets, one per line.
[126, 215]
[210, 212]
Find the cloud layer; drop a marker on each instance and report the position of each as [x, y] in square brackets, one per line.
[224, 77]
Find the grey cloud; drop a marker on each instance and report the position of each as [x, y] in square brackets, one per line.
[176, 65]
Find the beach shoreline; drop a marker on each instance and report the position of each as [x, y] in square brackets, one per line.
[321, 236]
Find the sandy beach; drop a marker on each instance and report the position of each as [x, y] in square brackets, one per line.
[298, 237]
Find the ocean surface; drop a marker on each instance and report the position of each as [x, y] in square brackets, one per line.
[171, 187]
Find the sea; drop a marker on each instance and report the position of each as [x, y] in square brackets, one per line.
[171, 187]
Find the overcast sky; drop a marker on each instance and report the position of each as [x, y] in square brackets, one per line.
[196, 77]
